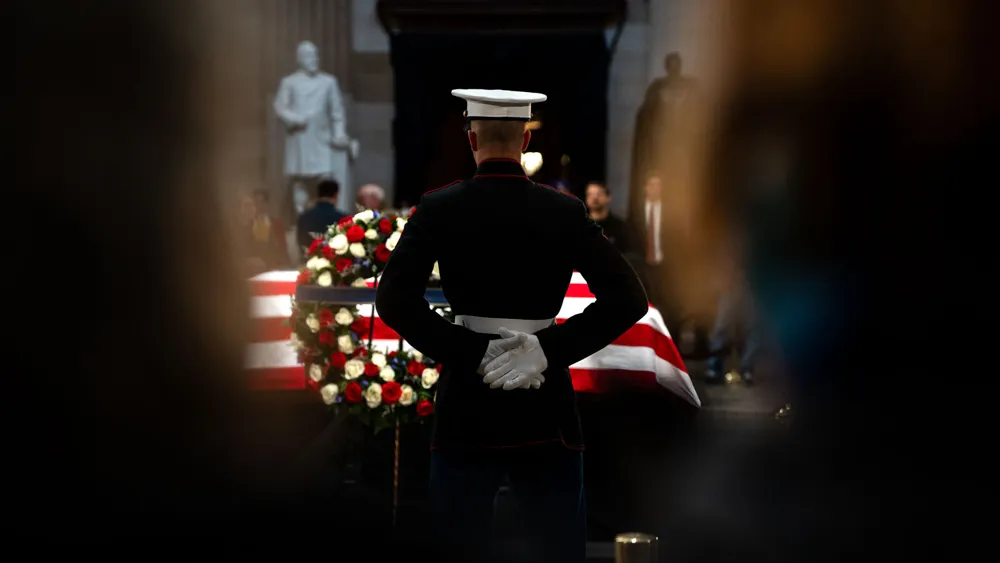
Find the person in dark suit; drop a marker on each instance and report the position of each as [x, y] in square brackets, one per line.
[316, 220]
[616, 229]
[507, 248]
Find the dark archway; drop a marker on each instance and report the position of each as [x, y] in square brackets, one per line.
[571, 69]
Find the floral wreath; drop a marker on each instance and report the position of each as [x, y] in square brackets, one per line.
[354, 250]
[381, 388]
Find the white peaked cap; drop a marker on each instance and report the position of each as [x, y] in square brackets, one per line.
[498, 104]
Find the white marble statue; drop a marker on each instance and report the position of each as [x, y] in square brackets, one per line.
[317, 146]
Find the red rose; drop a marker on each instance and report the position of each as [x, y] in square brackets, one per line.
[382, 253]
[305, 356]
[328, 252]
[314, 246]
[371, 370]
[355, 233]
[392, 354]
[312, 385]
[346, 222]
[304, 276]
[438, 367]
[342, 264]
[325, 318]
[415, 368]
[424, 407]
[360, 353]
[412, 211]
[360, 326]
[327, 338]
[338, 359]
[353, 393]
[391, 392]
[386, 226]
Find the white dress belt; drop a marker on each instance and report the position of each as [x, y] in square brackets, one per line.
[491, 325]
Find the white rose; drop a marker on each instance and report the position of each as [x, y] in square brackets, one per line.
[387, 374]
[324, 280]
[312, 322]
[428, 378]
[311, 263]
[378, 359]
[343, 317]
[339, 244]
[392, 241]
[353, 369]
[329, 393]
[318, 263]
[346, 344]
[360, 282]
[295, 343]
[373, 395]
[407, 396]
[357, 249]
[436, 272]
[400, 223]
[365, 216]
[417, 356]
[371, 234]
[315, 373]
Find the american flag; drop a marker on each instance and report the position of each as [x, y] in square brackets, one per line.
[643, 357]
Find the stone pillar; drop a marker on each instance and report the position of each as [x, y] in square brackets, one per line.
[373, 108]
[627, 82]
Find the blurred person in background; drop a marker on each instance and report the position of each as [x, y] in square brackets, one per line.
[264, 232]
[660, 132]
[735, 322]
[316, 220]
[838, 123]
[656, 278]
[154, 436]
[618, 231]
[370, 196]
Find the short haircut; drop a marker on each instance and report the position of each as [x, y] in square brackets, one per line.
[601, 185]
[499, 133]
[328, 189]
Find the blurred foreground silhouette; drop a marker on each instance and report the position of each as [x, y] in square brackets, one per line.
[131, 305]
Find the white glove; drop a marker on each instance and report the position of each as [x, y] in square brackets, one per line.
[498, 347]
[520, 367]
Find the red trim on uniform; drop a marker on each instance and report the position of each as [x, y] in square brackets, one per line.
[522, 445]
[501, 176]
[557, 190]
[442, 187]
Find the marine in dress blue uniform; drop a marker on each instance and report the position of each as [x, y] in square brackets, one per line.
[506, 248]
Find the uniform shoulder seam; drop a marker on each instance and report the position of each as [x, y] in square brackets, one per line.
[558, 191]
[429, 192]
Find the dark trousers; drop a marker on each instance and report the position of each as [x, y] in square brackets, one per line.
[547, 483]
[735, 312]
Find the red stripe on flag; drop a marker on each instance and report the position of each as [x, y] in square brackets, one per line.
[271, 288]
[579, 290]
[277, 379]
[273, 329]
[610, 380]
[640, 335]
